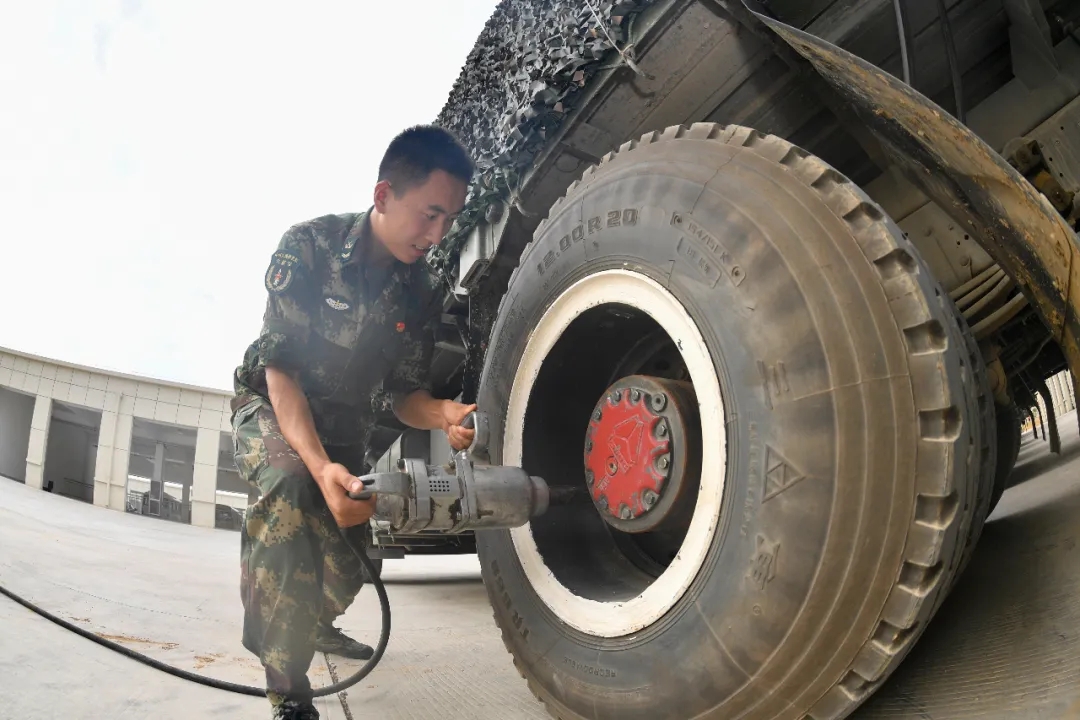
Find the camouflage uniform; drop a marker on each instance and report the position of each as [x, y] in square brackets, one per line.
[358, 340]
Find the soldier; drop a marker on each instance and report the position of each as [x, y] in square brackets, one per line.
[348, 332]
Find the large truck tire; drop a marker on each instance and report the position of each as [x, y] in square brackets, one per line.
[1018, 440]
[1008, 442]
[780, 419]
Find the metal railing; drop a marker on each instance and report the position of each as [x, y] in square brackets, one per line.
[225, 516]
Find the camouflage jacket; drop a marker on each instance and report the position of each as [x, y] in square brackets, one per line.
[358, 338]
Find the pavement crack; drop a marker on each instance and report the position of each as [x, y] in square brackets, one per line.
[342, 696]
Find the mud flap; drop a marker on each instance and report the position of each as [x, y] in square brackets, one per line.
[951, 165]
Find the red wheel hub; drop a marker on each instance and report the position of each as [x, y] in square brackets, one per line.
[632, 458]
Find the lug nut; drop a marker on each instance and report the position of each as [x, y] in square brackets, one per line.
[663, 462]
[659, 401]
[616, 396]
[588, 446]
[589, 478]
[649, 498]
[602, 502]
[661, 429]
[635, 394]
[597, 415]
[624, 512]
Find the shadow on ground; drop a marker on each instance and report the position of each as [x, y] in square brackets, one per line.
[436, 580]
[1035, 457]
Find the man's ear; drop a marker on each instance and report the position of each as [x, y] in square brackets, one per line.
[382, 195]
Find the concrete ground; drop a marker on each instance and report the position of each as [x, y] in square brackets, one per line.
[1005, 645]
[170, 591]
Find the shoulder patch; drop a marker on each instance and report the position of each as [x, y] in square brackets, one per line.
[337, 303]
[282, 272]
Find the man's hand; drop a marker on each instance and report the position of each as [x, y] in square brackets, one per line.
[453, 414]
[336, 481]
[421, 411]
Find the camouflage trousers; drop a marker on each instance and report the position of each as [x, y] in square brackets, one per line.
[295, 568]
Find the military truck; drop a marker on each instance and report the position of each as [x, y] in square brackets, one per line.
[770, 281]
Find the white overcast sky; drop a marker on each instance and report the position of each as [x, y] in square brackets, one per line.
[152, 152]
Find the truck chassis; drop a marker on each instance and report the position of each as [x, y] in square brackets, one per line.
[838, 225]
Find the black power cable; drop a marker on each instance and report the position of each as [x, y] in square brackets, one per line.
[384, 638]
[907, 41]
[954, 63]
[907, 51]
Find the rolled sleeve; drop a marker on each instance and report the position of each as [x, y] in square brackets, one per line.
[287, 323]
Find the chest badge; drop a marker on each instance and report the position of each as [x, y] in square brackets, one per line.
[337, 304]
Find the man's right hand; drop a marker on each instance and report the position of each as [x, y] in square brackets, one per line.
[336, 481]
[298, 428]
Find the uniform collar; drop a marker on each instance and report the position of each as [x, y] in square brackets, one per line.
[358, 240]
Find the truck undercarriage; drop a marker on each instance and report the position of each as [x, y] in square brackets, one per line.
[775, 282]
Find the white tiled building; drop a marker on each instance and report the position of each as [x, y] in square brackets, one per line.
[103, 437]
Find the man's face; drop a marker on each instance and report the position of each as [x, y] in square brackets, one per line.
[420, 217]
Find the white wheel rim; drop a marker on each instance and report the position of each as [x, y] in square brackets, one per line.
[616, 619]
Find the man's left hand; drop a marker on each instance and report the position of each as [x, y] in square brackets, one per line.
[454, 413]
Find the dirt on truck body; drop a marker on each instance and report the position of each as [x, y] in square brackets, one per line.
[776, 283]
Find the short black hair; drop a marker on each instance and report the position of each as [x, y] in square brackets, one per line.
[418, 151]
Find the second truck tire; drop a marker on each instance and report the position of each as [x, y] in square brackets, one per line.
[839, 467]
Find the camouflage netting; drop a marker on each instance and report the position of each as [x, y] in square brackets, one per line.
[522, 77]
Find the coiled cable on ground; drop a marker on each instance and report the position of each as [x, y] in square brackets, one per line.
[384, 638]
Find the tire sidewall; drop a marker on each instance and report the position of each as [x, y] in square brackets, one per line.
[760, 567]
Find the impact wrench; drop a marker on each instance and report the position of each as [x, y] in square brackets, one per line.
[463, 496]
